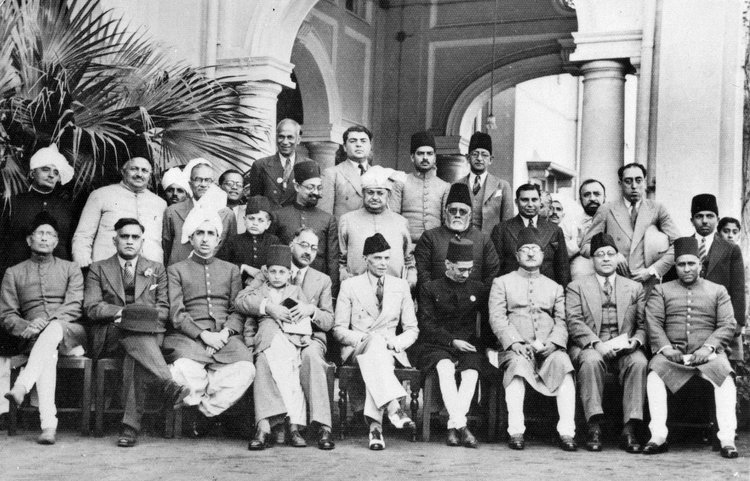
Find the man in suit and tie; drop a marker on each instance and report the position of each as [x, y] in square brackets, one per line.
[491, 198]
[369, 310]
[342, 189]
[606, 329]
[551, 237]
[627, 221]
[316, 288]
[273, 177]
[126, 279]
[721, 262]
[690, 324]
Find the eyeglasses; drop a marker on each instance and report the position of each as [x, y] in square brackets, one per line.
[477, 155]
[40, 234]
[232, 185]
[202, 180]
[458, 211]
[464, 270]
[312, 188]
[530, 250]
[603, 254]
[307, 245]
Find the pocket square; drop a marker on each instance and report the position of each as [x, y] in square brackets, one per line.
[153, 286]
[498, 193]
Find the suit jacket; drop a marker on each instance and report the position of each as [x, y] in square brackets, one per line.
[263, 180]
[316, 289]
[583, 308]
[497, 205]
[174, 218]
[555, 265]
[342, 189]
[357, 315]
[614, 219]
[104, 296]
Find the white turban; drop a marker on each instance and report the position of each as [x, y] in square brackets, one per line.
[376, 177]
[188, 169]
[197, 216]
[175, 176]
[51, 156]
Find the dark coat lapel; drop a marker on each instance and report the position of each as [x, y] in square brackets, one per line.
[719, 250]
[593, 298]
[622, 299]
[111, 270]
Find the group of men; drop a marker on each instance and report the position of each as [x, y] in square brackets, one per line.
[225, 286]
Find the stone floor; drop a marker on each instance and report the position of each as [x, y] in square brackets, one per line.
[221, 458]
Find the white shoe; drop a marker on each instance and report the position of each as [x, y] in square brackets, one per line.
[377, 443]
[400, 420]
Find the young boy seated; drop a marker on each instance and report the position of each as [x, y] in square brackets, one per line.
[249, 249]
[278, 327]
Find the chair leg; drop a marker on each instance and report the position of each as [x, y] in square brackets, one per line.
[342, 412]
[177, 431]
[492, 412]
[12, 419]
[169, 423]
[86, 399]
[99, 400]
[330, 379]
[414, 408]
[427, 406]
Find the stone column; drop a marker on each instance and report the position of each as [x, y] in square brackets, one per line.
[324, 153]
[602, 122]
[261, 97]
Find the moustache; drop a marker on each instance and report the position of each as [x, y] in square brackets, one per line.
[594, 202]
[315, 196]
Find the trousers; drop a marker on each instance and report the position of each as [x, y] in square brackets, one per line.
[457, 400]
[214, 388]
[565, 396]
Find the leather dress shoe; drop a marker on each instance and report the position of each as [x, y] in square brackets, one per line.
[516, 442]
[400, 420]
[296, 440]
[47, 436]
[653, 448]
[16, 395]
[260, 441]
[567, 443]
[377, 443]
[453, 438]
[594, 439]
[629, 443]
[128, 437]
[467, 438]
[325, 440]
[729, 452]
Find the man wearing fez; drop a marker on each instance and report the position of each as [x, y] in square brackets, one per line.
[255, 301]
[369, 310]
[527, 314]
[375, 217]
[176, 185]
[342, 188]
[505, 235]
[627, 221]
[721, 262]
[127, 305]
[204, 195]
[40, 305]
[304, 213]
[449, 341]
[491, 197]
[204, 345]
[690, 324]
[273, 176]
[92, 240]
[605, 315]
[431, 250]
[421, 197]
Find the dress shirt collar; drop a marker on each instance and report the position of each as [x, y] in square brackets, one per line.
[374, 280]
[628, 204]
[473, 176]
[357, 164]
[284, 160]
[709, 240]
[296, 269]
[611, 278]
[526, 220]
[133, 261]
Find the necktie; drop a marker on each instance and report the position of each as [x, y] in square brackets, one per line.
[477, 185]
[128, 275]
[531, 223]
[298, 278]
[379, 292]
[633, 214]
[702, 255]
[362, 169]
[608, 289]
[287, 171]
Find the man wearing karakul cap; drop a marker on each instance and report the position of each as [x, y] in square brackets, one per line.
[690, 323]
[304, 212]
[374, 217]
[421, 197]
[527, 314]
[204, 345]
[448, 341]
[369, 310]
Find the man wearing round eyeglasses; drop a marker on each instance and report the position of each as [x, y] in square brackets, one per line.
[491, 197]
[207, 196]
[629, 222]
[605, 316]
[130, 198]
[305, 213]
[432, 248]
[232, 182]
[316, 287]
[527, 315]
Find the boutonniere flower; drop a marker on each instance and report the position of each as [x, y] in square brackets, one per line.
[148, 272]
[472, 298]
